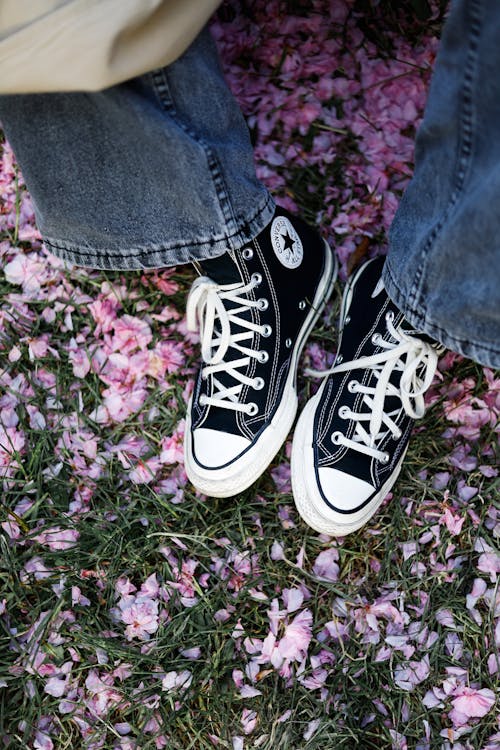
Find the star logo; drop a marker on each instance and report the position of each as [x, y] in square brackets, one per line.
[286, 242]
[289, 241]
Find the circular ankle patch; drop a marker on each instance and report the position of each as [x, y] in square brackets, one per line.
[286, 242]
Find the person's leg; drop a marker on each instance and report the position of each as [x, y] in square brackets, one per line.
[159, 171]
[441, 281]
[443, 266]
[154, 172]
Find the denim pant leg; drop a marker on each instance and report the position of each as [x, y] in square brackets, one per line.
[153, 172]
[443, 267]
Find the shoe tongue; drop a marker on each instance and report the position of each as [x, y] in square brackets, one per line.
[222, 270]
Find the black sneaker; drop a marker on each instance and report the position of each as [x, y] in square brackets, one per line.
[352, 436]
[254, 309]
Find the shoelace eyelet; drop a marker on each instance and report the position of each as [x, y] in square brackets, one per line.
[203, 400]
[262, 304]
[385, 458]
[347, 320]
[338, 359]
[397, 436]
[336, 438]
[267, 331]
[302, 305]
[263, 357]
[288, 343]
[376, 338]
[258, 384]
[247, 253]
[257, 278]
[352, 386]
[252, 409]
[389, 316]
[344, 412]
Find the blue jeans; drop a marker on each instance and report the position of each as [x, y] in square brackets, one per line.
[443, 267]
[154, 172]
[159, 171]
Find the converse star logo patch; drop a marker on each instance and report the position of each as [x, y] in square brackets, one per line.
[286, 243]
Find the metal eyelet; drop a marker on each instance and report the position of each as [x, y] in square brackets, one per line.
[347, 320]
[252, 409]
[267, 330]
[263, 357]
[262, 304]
[203, 400]
[204, 376]
[258, 384]
[257, 278]
[288, 343]
[385, 458]
[376, 339]
[352, 386]
[344, 412]
[389, 316]
[247, 253]
[397, 436]
[302, 305]
[339, 359]
[336, 438]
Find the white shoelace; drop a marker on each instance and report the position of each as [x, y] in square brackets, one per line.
[407, 354]
[205, 307]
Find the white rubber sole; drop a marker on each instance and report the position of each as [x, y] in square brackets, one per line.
[244, 471]
[308, 500]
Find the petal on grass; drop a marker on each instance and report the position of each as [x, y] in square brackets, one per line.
[408, 676]
[473, 703]
[325, 566]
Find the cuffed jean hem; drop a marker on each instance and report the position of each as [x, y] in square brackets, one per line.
[170, 253]
[480, 352]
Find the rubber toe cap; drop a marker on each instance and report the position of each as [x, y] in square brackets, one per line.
[213, 449]
[344, 492]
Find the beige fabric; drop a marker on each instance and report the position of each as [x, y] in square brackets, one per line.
[71, 45]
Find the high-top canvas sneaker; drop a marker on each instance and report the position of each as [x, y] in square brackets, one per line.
[254, 309]
[352, 436]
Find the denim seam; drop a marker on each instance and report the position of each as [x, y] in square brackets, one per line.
[159, 79]
[242, 227]
[417, 293]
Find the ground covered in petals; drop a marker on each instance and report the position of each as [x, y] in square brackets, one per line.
[137, 614]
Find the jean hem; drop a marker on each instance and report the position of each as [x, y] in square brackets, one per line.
[168, 254]
[481, 352]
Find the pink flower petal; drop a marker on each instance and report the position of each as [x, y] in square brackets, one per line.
[472, 703]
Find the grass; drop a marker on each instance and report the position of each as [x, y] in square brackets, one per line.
[121, 535]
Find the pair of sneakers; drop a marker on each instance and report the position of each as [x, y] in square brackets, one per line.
[254, 310]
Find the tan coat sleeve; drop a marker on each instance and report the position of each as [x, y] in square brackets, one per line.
[87, 45]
